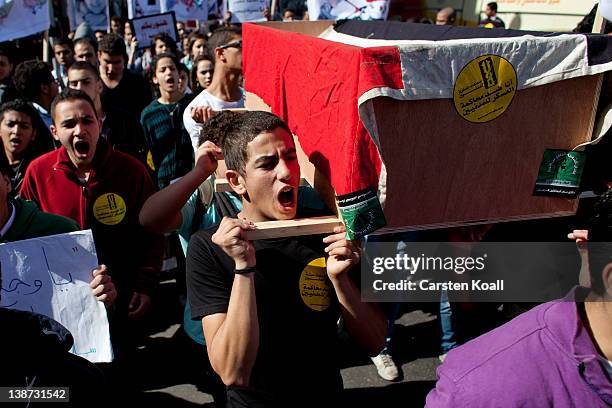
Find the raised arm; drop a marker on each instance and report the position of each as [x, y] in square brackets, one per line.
[232, 338]
[161, 213]
[364, 321]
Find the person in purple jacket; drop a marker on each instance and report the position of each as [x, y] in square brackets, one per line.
[555, 355]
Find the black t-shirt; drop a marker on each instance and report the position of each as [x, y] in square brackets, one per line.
[132, 95]
[297, 310]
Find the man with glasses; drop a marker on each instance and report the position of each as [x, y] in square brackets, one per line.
[224, 92]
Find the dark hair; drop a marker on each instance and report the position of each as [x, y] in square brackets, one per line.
[241, 131]
[166, 39]
[216, 127]
[155, 60]
[30, 76]
[86, 40]
[21, 106]
[599, 245]
[112, 44]
[116, 19]
[195, 85]
[85, 66]
[220, 37]
[493, 6]
[7, 50]
[290, 10]
[193, 37]
[70, 94]
[64, 41]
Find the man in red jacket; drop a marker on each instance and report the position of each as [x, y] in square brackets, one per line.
[102, 189]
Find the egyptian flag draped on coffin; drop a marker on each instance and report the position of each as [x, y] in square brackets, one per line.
[444, 125]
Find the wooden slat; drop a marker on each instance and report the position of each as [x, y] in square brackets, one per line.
[293, 228]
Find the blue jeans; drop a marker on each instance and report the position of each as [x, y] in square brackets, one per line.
[447, 324]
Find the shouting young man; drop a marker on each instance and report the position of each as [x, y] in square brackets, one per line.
[269, 308]
[102, 189]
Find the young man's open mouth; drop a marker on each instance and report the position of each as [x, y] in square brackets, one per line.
[287, 198]
[81, 148]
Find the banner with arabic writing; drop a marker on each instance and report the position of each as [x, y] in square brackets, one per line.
[185, 10]
[147, 27]
[13, 13]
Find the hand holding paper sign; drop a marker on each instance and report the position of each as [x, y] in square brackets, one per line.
[102, 286]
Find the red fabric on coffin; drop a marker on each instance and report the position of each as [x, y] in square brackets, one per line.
[314, 85]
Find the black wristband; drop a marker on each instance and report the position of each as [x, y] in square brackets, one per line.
[245, 270]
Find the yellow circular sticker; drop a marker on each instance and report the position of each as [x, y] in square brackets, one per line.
[109, 209]
[150, 161]
[315, 287]
[484, 88]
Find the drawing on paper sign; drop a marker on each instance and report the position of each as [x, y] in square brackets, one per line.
[50, 276]
[348, 9]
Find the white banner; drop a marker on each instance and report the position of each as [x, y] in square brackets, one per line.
[93, 12]
[139, 8]
[13, 14]
[246, 10]
[185, 10]
[348, 9]
[51, 276]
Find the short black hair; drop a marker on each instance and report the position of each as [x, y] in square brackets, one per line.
[70, 94]
[21, 106]
[29, 76]
[86, 40]
[64, 41]
[600, 237]
[216, 127]
[85, 66]
[241, 131]
[112, 44]
[166, 39]
[8, 50]
[221, 36]
[116, 19]
[493, 6]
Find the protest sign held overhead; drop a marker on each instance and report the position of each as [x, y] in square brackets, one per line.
[348, 9]
[13, 13]
[186, 9]
[92, 12]
[139, 8]
[245, 10]
[147, 27]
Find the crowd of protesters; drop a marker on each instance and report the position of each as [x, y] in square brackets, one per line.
[143, 130]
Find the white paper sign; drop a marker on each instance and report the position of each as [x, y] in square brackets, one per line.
[139, 8]
[51, 276]
[185, 10]
[348, 9]
[246, 10]
[93, 12]
[13, 14]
